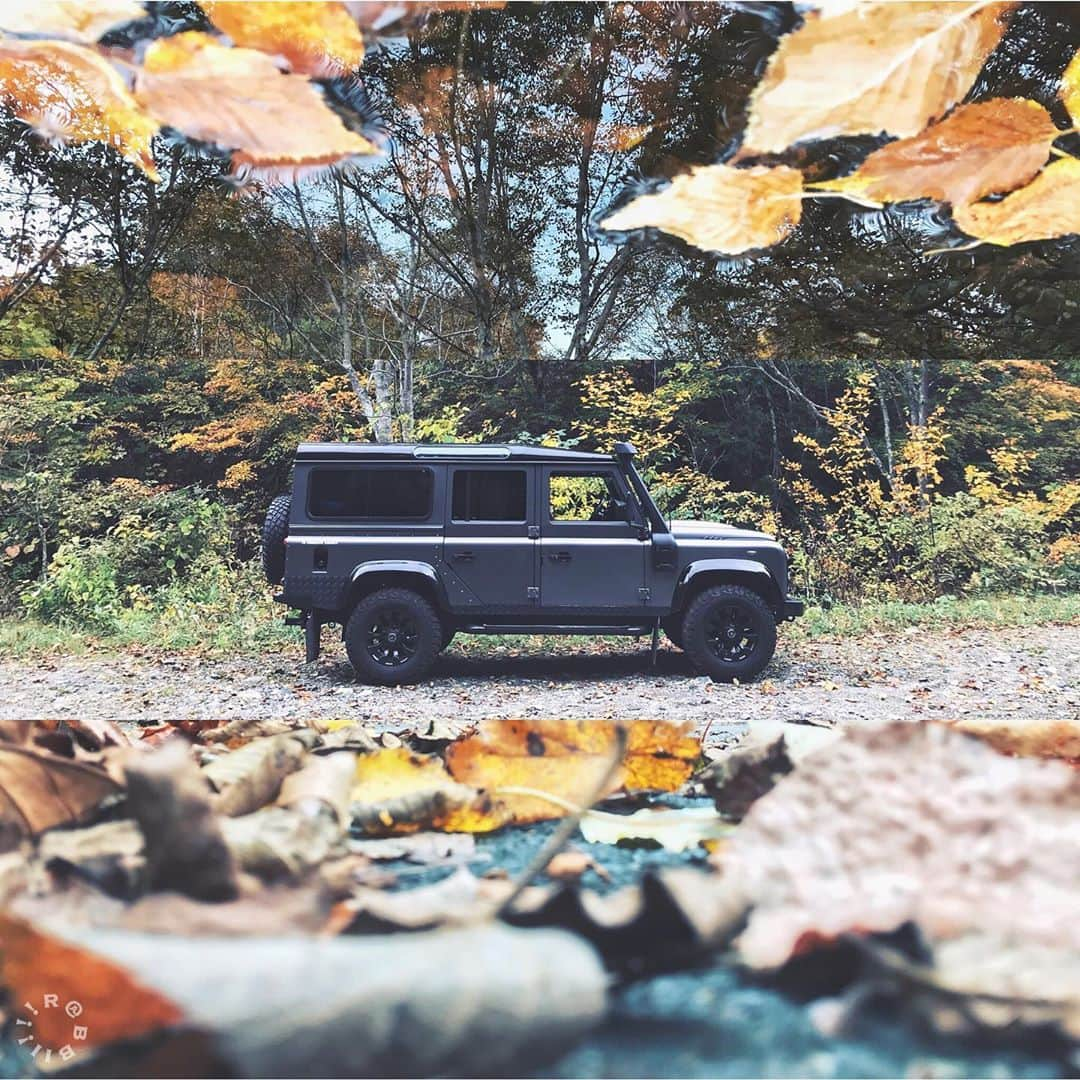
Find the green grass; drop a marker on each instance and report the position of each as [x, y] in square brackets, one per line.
[245, 622]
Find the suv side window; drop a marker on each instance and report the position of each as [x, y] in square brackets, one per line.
[489, 495]
[372, 493]
[585, 495]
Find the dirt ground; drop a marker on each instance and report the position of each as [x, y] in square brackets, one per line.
[939, 674]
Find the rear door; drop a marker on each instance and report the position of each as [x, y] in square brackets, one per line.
[490, 544]
[591, 554]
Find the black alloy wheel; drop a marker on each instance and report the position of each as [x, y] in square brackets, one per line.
[729, 631]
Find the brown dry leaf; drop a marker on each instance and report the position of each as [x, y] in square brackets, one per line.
[317, 37]
[278, 125]
[83, 21]
[40, 789]
[1047, 208]
[397, 791]
[567, 759]
[918, 823]
[114, 1004]
[977, 150]
[872, 68]
[719, 208]
[251, 776]
[70, 93]
[1026, 736]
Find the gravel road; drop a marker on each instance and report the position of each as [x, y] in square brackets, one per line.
[941, 674]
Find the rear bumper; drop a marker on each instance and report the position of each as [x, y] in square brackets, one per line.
[793, 608]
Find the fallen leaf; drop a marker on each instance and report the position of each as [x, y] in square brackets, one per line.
[70, 93]
[317, 37]
[1026, 736]
[98, 1001]
[83, 21]
[251, 776]
[185, 850]
[12, 550]
[397, 791]
[40, 789]
[572, 866]
[425, 848]
[977, 150]
[1070, 88]
[719, 208]
[1045, 209]
[675, 830]
[917, 823]
[877, 67]
[567, 759]
[278, 125]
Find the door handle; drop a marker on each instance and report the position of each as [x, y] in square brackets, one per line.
[462, 556]
[560, 556]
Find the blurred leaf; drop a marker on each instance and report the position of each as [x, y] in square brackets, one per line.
[1046, 208]
[83, 21]
[72, 94]
[277, 125]
[317, 37]
[977, 150]
[1026, 736]
[676, 830]
[874, 67]
[719, 208]
[249, 777]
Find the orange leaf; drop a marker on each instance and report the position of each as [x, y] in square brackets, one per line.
[568, 759]
[1026, 736]
[1047, 208]
[720, 208]
[72, 94]
[71, 20]
[72, 999]
[978, 150]
[315, 38]
[277, 124]
[873, 67]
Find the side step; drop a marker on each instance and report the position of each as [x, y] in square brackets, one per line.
[626, 630]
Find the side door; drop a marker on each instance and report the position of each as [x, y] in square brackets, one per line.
[591, 553]
[490, 544]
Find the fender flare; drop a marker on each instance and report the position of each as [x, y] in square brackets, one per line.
[400, 566]
[730, 566]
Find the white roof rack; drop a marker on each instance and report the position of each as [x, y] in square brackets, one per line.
[436, 451]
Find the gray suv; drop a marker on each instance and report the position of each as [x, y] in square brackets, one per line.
[404, 546]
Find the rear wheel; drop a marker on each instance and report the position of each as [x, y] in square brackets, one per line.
[392, 637]
[729, 632]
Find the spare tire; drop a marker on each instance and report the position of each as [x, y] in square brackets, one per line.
[275, 529]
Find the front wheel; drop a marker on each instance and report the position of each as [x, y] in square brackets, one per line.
[392, 637]
[729, 632]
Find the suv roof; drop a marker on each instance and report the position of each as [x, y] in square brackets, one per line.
[442, 452]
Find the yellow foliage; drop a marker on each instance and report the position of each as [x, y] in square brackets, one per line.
[615, 410]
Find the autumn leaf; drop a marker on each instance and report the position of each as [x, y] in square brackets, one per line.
[567, 759]
[397, 791]
[1026, 736]
[83, 21]
[719, 208]
[676, 830]
[316, 38]
[874, 67]
[1047, 208]
[1070, 88]
[277, 124]
[978, 150]
[113, 1003]
[69, 93]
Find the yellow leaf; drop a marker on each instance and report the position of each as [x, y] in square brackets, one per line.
[72, 94]
[315, 38]
[1070, 88]
[1047, 208]
[978, 150]
[567, 760]
[720, 208]
[874, 67]
[71, 20]
[277, 124]
[397, 791]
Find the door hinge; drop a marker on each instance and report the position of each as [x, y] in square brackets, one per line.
[644, 595]
[532, 592]
[534, 532]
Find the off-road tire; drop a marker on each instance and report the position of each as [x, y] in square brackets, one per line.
[275, 529]
[409, 656]
[673, 629]
[729, 632]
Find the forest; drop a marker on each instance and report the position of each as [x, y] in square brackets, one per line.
[900, 407]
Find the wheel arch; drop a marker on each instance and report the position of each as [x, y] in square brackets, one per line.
[421, 577]
[706, 573]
